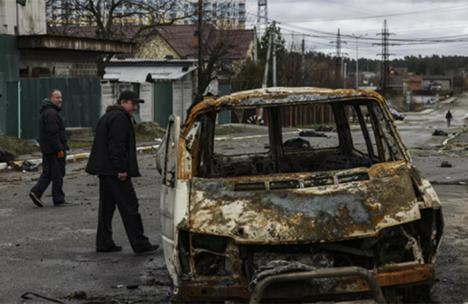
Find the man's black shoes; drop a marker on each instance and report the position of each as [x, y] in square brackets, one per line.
[148, 250]
[62, 204]
[36, 199]
[114, 248]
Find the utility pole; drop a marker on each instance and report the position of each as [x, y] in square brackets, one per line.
[267, 63]
[255, 57]
[303, 61]
[357, 37]
[385, 64]
[274, 55]
[200, 48]
[262, 15]
[345, 74]
[339, 72]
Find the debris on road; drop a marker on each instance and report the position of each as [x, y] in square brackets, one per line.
[311, 133]
[32, 295]
[325, 128]
[439, 132]
[6, 157]
[446, 164]
[296, 143]
[77, 295]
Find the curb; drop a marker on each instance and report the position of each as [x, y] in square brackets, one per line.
[453, 136]
[73, 157]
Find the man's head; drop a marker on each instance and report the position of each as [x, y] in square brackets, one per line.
[129, 101]
[55, 97]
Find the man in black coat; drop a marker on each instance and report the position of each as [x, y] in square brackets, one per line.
[113, 158]
[53, 142]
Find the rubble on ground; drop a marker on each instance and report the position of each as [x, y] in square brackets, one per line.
[439, 132]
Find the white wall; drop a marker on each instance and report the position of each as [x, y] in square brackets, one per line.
[147, 108]
[32, 18]
[182, 90]
[107, 95]
[7, 17]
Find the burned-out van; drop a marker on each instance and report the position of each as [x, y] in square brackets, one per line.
[307, 195]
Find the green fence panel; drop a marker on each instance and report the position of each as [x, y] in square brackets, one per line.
[12, 108]
[3, 105]
[9, 68]
[81, 102]
[162, 102]
[9, 58]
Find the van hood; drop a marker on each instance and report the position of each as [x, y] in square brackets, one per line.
[304, 207]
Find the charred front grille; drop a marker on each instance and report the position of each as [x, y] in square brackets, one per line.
[207, 255]
[394, 245]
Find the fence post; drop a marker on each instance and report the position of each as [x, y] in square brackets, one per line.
[19, 109]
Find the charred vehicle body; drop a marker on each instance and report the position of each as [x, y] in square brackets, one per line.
[280, 217]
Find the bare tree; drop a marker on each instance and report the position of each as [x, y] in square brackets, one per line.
[222, 50]
[107, 17]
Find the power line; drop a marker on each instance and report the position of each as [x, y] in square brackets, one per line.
[385, 66]
[325, 34]
[416, 12]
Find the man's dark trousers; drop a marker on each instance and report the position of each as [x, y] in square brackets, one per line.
[113, 191]
[53, 170]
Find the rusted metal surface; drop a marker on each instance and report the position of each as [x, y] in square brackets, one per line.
[277, 96]
[359, 272]
[315, 214]
[391, 276]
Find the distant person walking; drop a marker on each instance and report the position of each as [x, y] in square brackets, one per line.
[53, 143]
[113, 158]
[449, 118]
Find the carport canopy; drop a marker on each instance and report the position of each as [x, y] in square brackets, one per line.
[142, 74]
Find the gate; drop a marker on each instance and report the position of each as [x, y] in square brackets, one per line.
[81, 103]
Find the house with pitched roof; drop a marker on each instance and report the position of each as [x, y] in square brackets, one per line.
[181, 42]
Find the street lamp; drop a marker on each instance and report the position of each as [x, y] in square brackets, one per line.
[357, 37]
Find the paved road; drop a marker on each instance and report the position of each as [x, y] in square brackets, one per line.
[51, 250]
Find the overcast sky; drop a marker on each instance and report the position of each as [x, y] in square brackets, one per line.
[407, 19]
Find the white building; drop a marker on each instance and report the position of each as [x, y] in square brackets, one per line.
[27, 17]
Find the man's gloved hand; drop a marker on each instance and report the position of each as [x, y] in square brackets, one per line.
[61, 154]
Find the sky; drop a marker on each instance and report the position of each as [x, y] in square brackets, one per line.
[411, 22]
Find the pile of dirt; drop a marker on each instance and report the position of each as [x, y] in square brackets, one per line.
[148, 131]
[17, 146]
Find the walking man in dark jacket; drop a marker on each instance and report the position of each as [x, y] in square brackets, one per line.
[53, 142]
[113, 158]
[449, 118]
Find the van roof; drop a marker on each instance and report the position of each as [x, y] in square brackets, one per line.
[282, 96]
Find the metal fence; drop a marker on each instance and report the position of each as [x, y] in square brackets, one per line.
[81, 103]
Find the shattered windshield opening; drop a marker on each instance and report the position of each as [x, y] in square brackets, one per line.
[295, 138]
